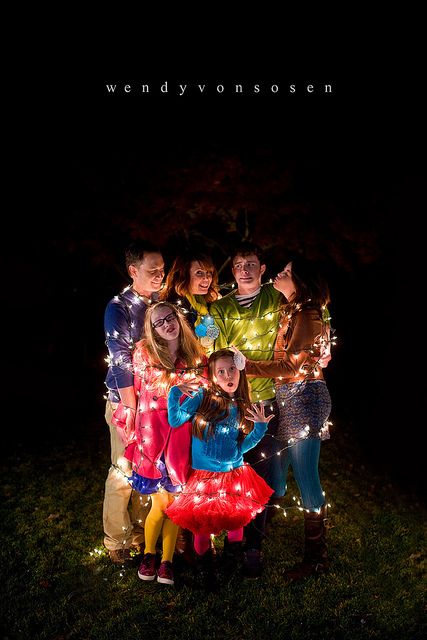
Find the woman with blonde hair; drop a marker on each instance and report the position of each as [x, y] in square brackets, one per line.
[168, 354]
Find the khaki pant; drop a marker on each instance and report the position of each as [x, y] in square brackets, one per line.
[124, 510]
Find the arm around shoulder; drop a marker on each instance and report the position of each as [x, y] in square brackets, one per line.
[284, 368]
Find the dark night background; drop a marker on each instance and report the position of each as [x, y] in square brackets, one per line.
[337, 176]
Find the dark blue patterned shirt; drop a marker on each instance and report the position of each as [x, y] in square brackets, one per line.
[124, 326]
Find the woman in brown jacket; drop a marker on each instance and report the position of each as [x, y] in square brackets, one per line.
[304, 402]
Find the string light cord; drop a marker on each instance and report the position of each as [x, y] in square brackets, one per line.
[196, 372]
[181, 309]
[222, 494]
[140, 369]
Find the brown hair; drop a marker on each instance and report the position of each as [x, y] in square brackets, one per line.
[216, 402]
[247, 249]
[311, 291]
[136, 251]
[178, 278]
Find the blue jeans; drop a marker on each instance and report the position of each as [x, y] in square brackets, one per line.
[303, 457]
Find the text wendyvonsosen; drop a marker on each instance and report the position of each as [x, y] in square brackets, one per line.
[242, 88]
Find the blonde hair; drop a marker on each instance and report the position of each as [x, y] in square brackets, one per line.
[189, 349]
[216, 402]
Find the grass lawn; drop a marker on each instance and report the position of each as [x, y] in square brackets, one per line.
[58, 583]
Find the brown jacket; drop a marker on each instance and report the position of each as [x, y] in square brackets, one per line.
[296, 349]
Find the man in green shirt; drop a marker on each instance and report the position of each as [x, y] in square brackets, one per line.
[248, 318]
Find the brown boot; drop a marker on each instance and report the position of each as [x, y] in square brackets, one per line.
[184, 546]
[120, 557]
[315, 559]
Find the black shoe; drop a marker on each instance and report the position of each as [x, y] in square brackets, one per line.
[252, 563]
[184, 548]
[232, 557]
[207, 571]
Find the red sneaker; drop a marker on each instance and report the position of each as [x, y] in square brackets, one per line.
[165, 573]
[147, 568]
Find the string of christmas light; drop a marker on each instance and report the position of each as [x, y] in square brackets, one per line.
[128, 366]
[291, 442]
[139, 298]
[199, 494]
[232, 285]
[303, 435]
[139, 369]
[305, 371]
[298, 506]
[249, 349]
[245, 345]
[299, 387]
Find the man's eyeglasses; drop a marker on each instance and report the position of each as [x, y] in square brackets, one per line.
[161, 321]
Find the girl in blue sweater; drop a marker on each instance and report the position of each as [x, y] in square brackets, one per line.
[223, 492]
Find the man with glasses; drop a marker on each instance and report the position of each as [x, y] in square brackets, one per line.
[248, 318]
[123, 511]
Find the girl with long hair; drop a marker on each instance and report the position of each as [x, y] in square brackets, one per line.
[222, 493]
[168, 354]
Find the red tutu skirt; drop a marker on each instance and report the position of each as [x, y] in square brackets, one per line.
[212, 501]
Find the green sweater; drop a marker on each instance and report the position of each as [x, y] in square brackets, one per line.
[252, 330]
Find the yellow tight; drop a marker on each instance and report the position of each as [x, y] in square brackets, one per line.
[156, 522]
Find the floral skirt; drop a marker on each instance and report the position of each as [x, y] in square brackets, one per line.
[213, 501]
[304, 409]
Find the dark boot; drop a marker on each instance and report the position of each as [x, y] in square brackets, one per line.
[232, 557]
[315, 559]
[206, 571]
[184, 547]
[252, 563]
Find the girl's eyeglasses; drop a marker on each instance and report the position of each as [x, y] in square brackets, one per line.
[161, 321]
